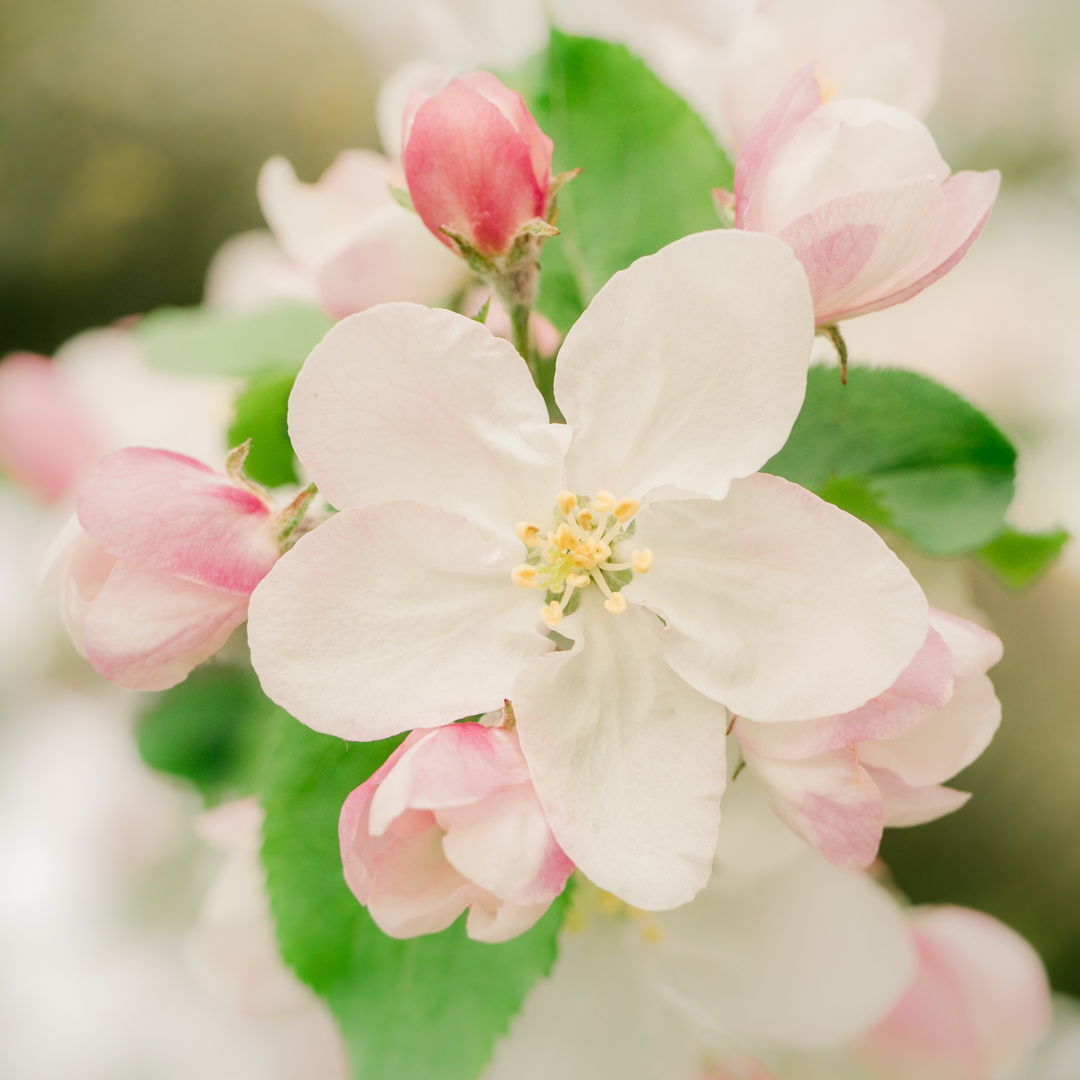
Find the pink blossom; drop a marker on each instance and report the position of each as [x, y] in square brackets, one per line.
[46, 435]
[978, 1003]
[451, 821]
[476, 163]
[840, 780]
[859, 192]
[156, 568]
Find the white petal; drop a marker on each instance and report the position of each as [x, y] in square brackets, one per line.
[778, 604]
[627, 759]
[405, 402]
[688, 368]
[906, 805]
[390, 617]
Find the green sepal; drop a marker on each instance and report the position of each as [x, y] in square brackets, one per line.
[1020, 558]
[261, 416]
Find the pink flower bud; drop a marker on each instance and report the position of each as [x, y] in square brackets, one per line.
[979, 1002]
[476, 163]
[156, 568]
[451, 821]
[859, 192]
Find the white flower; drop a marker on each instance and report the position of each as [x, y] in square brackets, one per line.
[469, 526]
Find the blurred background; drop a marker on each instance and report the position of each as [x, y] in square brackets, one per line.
[131, 135]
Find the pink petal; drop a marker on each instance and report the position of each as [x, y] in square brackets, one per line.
[47, 439]
[969, 198]
[796, 101]
[147, 629]
[974, 649]
[495, 924]
[469, 170]
[450, 766]
[906, 805]
[829, 800]
[924, 686]
[172, 513]
[979, 1002]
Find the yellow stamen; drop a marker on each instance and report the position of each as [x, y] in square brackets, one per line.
[641, 561]
[566, 502]
[616, 605]
[625, 509]
[524, 576]
[564, 537]
[653, 934]
[578, 581]
[585, 517]
[602, 502]
[551, 614]
[528, 533]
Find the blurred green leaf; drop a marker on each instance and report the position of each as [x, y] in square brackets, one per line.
[261, 415]
[429, 1008]
[201, 341]
[902, 452]
[1019, 558]
[649, 166]
[209, 730]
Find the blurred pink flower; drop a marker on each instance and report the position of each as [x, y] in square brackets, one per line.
[978, 1003]
[156, 568]
[840, 780]
[452, 821]
[476, 163]
[860, 193]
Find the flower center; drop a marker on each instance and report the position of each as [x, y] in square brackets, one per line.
[581, 550]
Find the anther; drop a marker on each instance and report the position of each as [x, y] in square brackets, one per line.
[524, 576]
[578, 581]
[551, 614]
[564, 537]
[625, 509]
[585, 516]
[641, 561]
[616, 605]
[602, 502]
[566, 501]
[528, 533]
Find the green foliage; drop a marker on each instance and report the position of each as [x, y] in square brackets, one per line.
[261, 413]
[1019, 558]
[429, 1008]
[902, 452]
[201, 341]
[209, 730]
[649, 166]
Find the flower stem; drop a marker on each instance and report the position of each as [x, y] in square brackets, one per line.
[833, 334]
[519, 324]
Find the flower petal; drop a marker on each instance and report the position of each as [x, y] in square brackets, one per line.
[924, 686]
[405, 402]
[974, 649]
[147, 629]
[778, 604]
[627, 759]
[830, 800]
[172, 513]
[390, 617]
[496, 923]
[688, 369]
[906, 805]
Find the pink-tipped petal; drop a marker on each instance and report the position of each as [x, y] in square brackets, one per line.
[172, 513]
[147, 629]
[979, 1002]
[48, 440]
[498, 923]
[906, 805]
[974, 649]
[830, 800]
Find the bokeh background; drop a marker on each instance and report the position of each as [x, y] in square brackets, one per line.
[131, 134]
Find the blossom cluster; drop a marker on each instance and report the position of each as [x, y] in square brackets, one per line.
[615, 645]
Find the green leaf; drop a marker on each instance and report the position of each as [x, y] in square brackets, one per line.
[202, 341]
[649, 166]
[902, 452]
[1019, 558]
[429, 1008]
[208, 730]
[260, 415]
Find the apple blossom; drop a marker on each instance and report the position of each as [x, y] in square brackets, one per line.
[155, 569]
[451, 821]
[860, 193]
[484, 528]
[978, 1004]
[356, 245]
[477, 164]
[781, 950]
[839, 780]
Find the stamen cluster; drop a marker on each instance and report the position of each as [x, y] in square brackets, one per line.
[579, 551]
